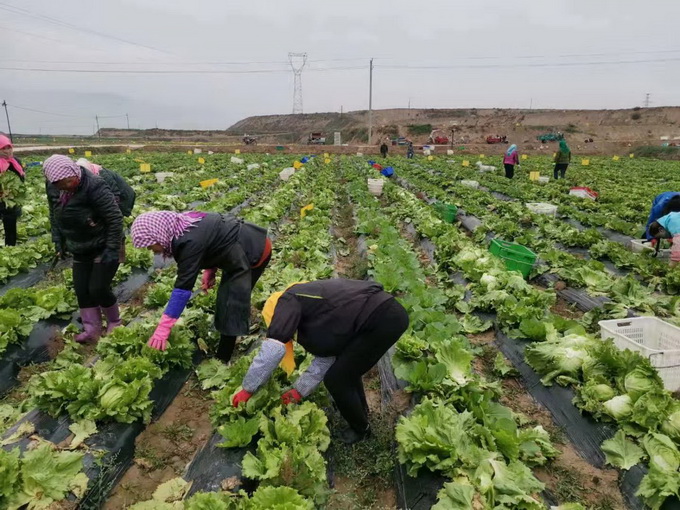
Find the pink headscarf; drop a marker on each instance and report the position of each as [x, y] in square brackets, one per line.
[161, 227]
[58, 167]
[92, 167]
[7, 161]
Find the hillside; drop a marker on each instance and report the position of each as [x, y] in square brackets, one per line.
[471, 125]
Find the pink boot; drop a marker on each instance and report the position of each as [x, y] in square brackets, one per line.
[112, 315]
[92, 325]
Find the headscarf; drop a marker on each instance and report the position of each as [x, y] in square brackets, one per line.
[564, 148]
[511, 150]
[89, 165]
[58, 167]
[161, 227]
[288, 361]
[7, 160]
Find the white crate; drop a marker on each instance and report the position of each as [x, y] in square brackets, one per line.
[375, 186]
[637, 246]
[542, 208]
[654, 339]
[470, 184]
[543, 180]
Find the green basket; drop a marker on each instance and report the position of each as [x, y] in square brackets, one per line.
[447, 212]
[516, 257]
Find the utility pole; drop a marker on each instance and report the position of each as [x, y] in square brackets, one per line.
[127, 117]
[9, 127]
[370, 102]
[531, 103]
[96, 120]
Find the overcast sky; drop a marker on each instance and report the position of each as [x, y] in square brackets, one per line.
[472, 53]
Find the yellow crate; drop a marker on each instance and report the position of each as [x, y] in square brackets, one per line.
[297, 165]
[71, 150]
[145, 168]
[88, 154]
[237, 151]
[201, 161]
[524, 156]
[209, 182]
[466, 162]
[585, 162]
[534, 176]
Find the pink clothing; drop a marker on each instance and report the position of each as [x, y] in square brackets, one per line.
[7, 162]
[675, 249]
[161, 227]
[512, 159]
[58, 167]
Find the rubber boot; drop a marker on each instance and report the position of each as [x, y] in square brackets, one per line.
[92, 325]
[112, 314]
[350, 436]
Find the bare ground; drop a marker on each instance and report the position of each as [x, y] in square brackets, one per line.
[164, 449]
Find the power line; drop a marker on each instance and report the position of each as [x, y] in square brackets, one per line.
[24, 12]
[161, 71]
[63, 114]
[542, 64]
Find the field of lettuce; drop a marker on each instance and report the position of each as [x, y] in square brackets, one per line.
[500, 396]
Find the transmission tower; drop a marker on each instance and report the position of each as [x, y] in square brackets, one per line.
[297, 63]
[647, 102]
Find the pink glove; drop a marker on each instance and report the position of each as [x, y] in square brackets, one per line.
[208, 280]
[159, 339]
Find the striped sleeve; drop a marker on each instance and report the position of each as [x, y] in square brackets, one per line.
[675, 249]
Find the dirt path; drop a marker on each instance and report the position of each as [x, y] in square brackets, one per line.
[164, 449]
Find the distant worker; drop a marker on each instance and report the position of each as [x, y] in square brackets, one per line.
[562, 160]
[409, 151]
[208, 241]
[510, 160]
[348, 325]
[383, 149]
[10, 208]
[668, 227]
[663, 203]
[86, 221]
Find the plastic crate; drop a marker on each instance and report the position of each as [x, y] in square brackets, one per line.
[542, 208]
[470, 184]
[447, 212]
[516, 257]
[584, 192]
[543, 180]
[637, 246]
[654, 339]
[375, 186]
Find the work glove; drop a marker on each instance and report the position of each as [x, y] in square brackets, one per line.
[241, 396]
[208, 280]
[291, 397]
[110, 256]
[159, 339]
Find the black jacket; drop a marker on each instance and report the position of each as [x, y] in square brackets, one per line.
[326, 314]
[208, 244]
[12, 211]
[89, 222]
[122, 191]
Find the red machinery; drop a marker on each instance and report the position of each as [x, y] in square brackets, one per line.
[496, 139]
[438, 137]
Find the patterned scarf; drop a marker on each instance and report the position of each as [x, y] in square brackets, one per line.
[161, 227]
[7, 157]
[58, 167]
[511, 150]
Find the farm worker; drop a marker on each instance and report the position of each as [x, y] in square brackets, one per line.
[86, 221]
[663, 203]
[510, 160]
[9, 214]
[384, 149]
[348, 325]
[562, 160]
[668, 227]
[208, 241]
[409, 151]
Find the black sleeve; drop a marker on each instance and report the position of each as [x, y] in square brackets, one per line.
[52, 197]
[286, 319]
[104, 204]
[188, 255]
[111, 181]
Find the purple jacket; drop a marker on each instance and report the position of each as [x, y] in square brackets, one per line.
[513, 159]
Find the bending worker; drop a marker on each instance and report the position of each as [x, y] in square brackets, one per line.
[208, 241]
[348, 325]
[87, 222]
[668, 227]
[9, 213]
[663, 203]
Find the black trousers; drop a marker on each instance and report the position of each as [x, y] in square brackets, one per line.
[9, 223]
[561, 169]
[92, 283]
[343, 380]
[509, 170]
[225, 348]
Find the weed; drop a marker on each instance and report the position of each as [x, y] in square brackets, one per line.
[177, 432]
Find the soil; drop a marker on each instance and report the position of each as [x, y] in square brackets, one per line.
[563, 308]
[164, 449]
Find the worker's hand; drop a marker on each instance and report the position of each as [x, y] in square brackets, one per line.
[159, 339]
[241, 396]
[208, 280]
[291, 397]
[110, 256]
